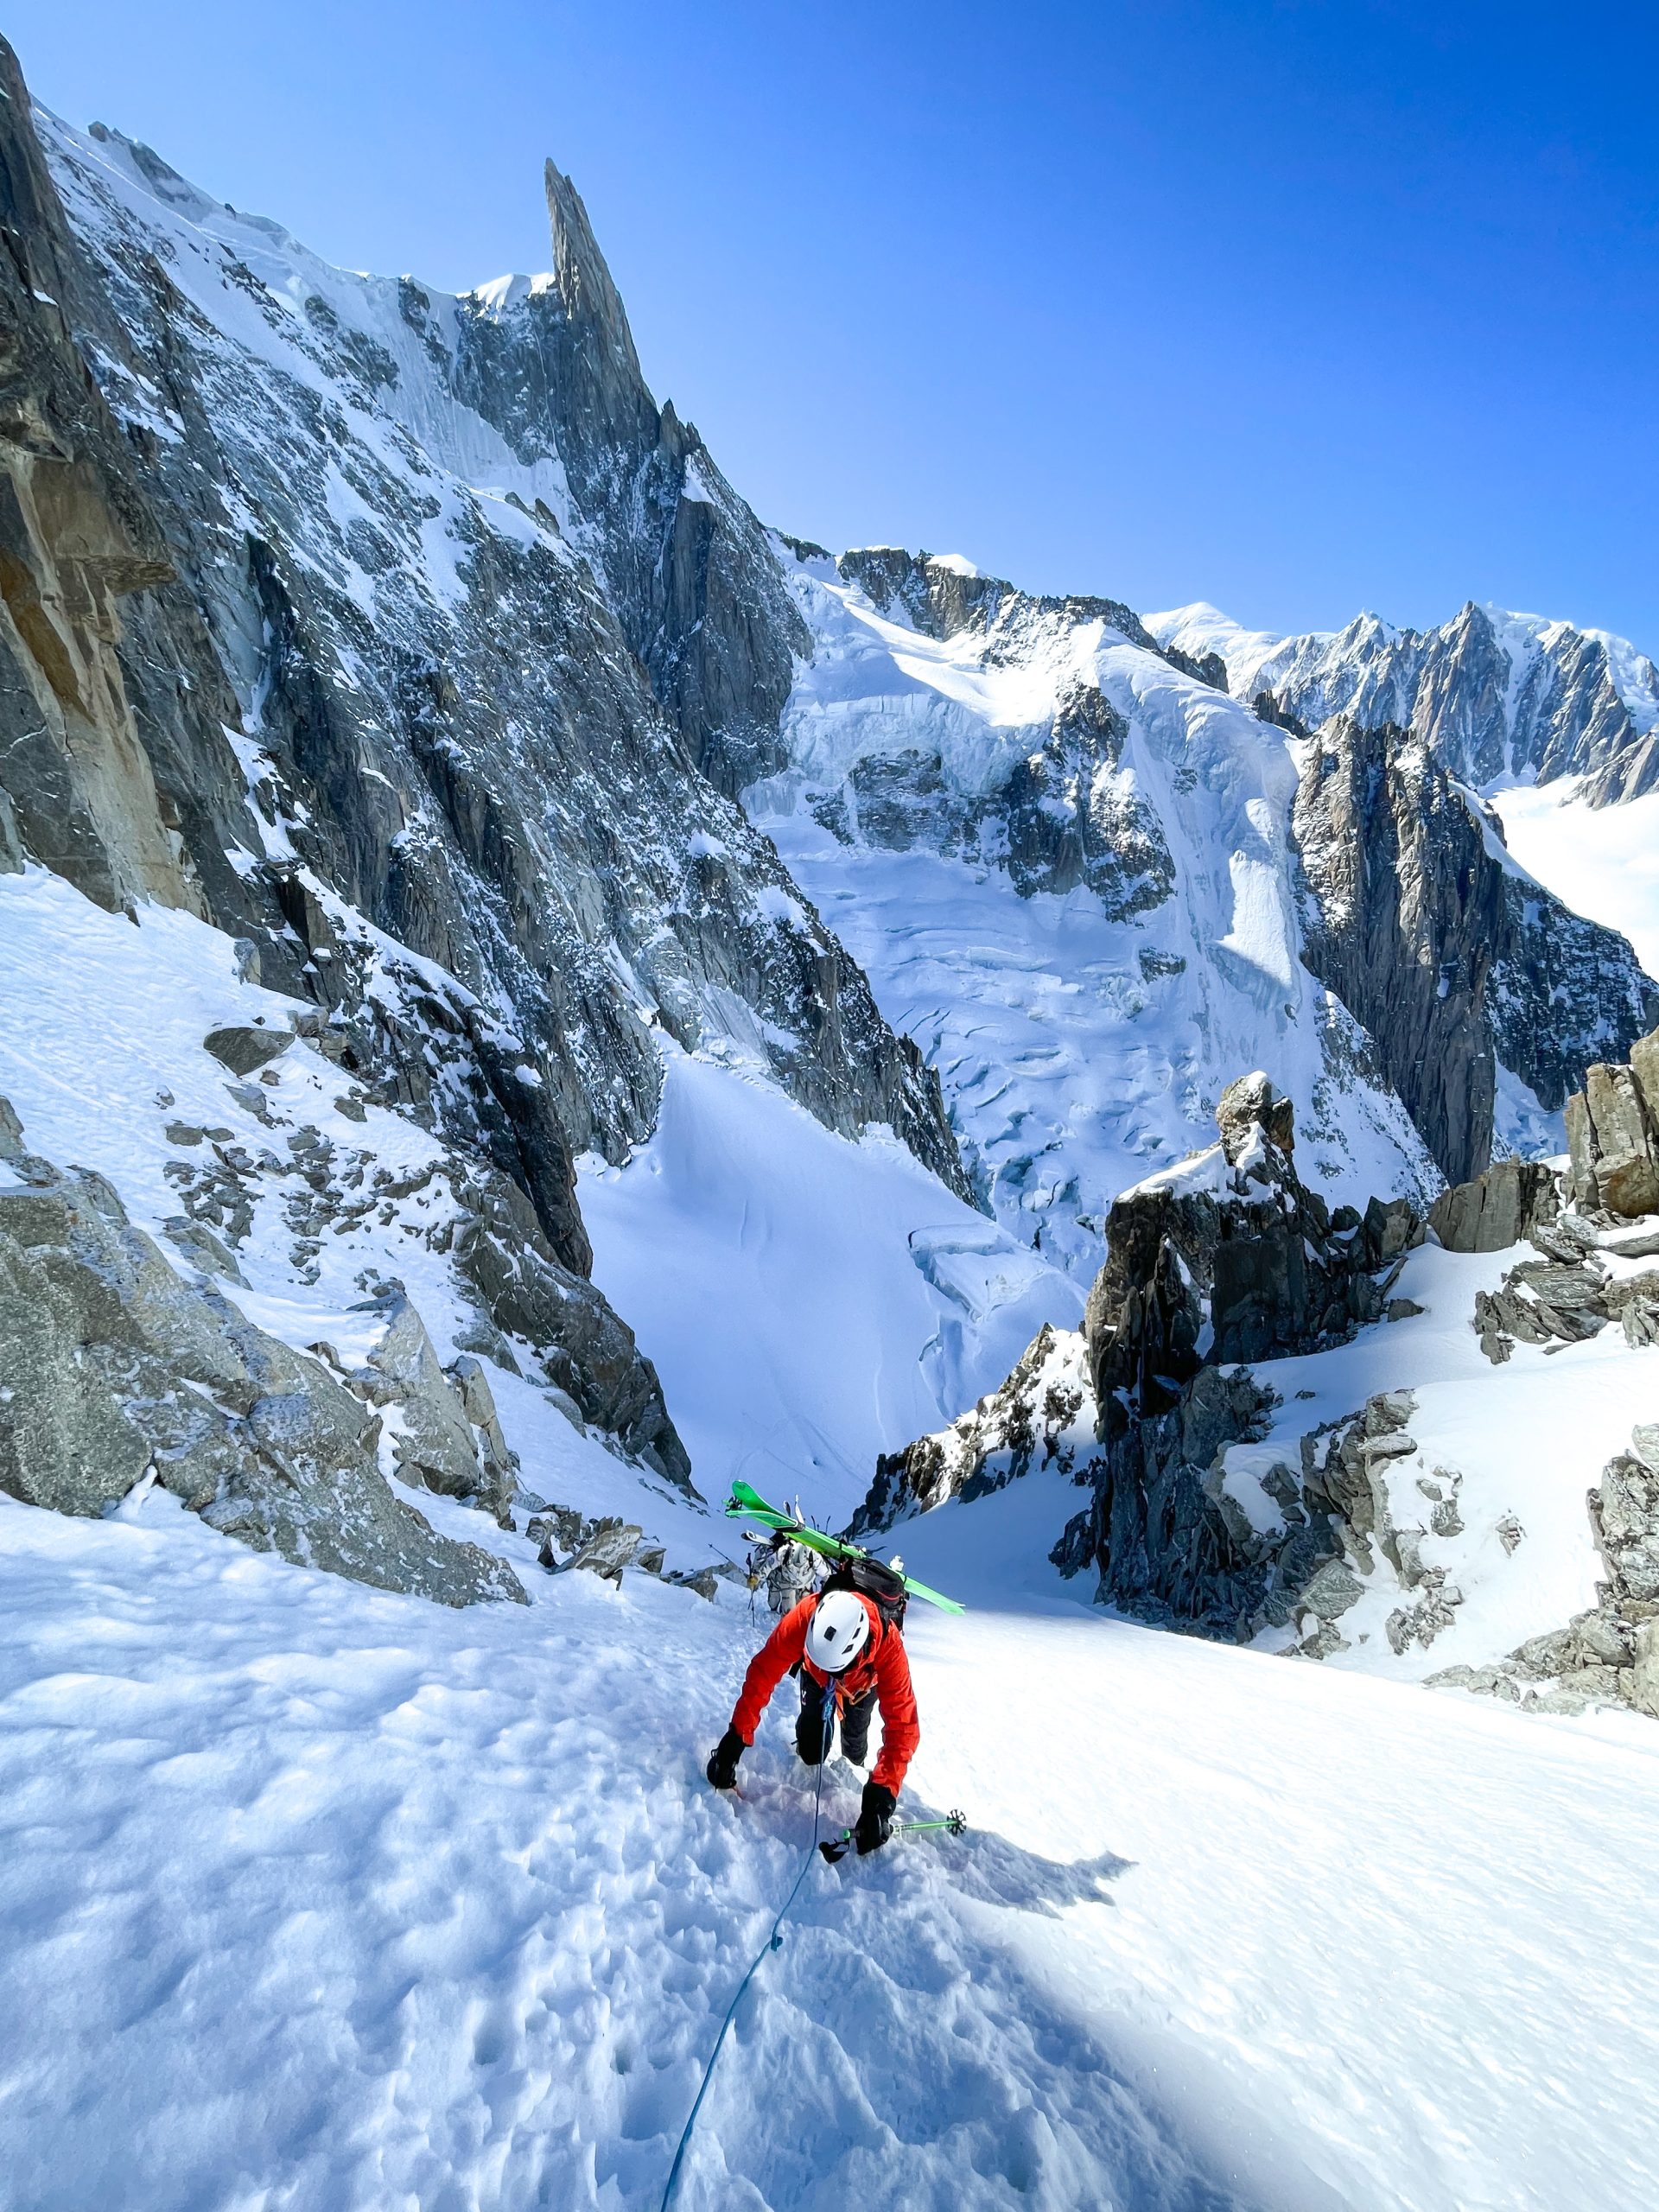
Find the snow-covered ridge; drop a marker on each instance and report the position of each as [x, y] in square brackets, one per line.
[1505, 696]
[322, 314]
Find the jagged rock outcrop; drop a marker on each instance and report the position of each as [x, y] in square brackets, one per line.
[1230, 1257]
[1613, 1131]
[551, 365]
[1500, 1208]
[1454, 959]
[447, 1437]
[114, 1371]
[1043, 1417]
[1159, 1535]
[442, 729]
[1609, 1654]
[534, 1314]
[1226, 1259]
[82, 561]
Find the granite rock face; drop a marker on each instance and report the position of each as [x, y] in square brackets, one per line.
[114, 1371]
[1498, 1209]
[273, 658]
[1613, 1130]
[1205, 1270]
[1225, 1259]
[1454, 961]
[686, 567]
[1230, 1257]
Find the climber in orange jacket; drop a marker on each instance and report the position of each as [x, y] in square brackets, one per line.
[851, 1659]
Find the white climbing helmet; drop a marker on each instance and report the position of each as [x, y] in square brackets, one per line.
[838, 1630]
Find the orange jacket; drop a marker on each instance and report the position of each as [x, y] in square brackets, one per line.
[883, 1663]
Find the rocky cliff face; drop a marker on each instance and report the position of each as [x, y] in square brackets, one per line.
[1613, 1129]
[551, 365]
[384, 634]
[84, 568]
[1227, 1259]
[384, 693]
[1456, 961]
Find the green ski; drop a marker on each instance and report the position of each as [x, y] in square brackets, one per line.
[745, 1501]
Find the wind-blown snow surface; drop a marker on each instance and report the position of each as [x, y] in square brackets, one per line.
[1076, 1051]
[334, 1900]
[808, 1302]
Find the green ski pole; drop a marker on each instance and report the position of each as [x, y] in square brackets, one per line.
[954, 1823]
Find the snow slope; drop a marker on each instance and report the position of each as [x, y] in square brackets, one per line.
[1603, 861]
[146, 994]
[1077, 1050]
[1518, 1444]
[335, 1900]
[808, 1302]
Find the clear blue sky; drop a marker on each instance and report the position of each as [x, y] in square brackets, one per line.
[1298, 307]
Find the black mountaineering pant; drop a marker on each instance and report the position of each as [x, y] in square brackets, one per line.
[815, 1729]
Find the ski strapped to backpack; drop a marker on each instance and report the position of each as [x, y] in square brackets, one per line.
[748, 1503]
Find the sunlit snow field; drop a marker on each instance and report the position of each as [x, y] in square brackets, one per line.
[321, 1897]
[1603, 861]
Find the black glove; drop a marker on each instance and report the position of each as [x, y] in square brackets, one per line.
[722, 1760]
[875, 1822]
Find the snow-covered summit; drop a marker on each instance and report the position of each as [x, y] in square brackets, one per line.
[1505, 696]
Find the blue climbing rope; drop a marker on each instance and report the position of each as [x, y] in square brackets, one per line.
[772, 1943]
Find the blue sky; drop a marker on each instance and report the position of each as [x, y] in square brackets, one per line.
[1297, 308]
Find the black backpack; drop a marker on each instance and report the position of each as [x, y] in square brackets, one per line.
[871, 1580]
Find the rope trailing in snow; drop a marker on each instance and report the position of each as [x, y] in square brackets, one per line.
[772, 1943]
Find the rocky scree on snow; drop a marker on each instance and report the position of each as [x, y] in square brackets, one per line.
[1590, 1267]
[1609, 1654]
[115, 1372]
